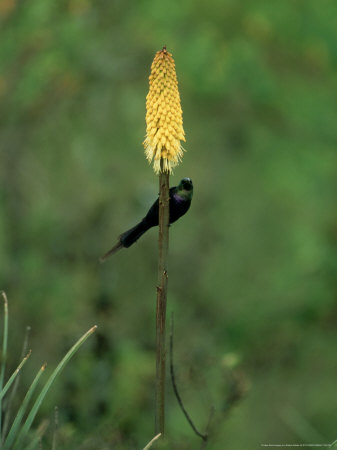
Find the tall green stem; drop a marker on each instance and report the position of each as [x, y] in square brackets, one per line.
[161, 301]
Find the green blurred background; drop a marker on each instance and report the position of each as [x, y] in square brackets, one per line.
[252, 265]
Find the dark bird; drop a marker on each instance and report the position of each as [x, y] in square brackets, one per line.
[180, 201]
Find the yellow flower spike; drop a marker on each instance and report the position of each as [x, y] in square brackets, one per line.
[164, 125]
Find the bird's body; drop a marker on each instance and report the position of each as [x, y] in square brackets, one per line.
[180, 201]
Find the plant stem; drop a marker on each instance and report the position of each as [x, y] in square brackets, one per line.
[4, 354]
[161, 301]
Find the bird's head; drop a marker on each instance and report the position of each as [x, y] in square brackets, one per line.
[185, 188]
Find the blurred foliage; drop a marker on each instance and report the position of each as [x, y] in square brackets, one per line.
[252, 265]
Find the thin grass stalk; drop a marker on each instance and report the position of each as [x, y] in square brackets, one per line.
[151, 442]
[31, 416]
[56, 424]
[161, 301]
[14, 375]
[13, 432]
[13, 392]
[4, 354]
[36, 442]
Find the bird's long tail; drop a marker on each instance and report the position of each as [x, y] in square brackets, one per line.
[126, 239]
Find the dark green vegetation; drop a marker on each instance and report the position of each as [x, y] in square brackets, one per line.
[252, 265]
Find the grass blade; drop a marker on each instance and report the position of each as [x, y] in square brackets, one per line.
[152, 441]
[36, 441]
[4, 352]
[21, 412]
[31, 416]
[14, 375]
[56, 423]
[8, 409]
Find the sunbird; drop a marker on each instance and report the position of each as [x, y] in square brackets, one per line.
[180, 202]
